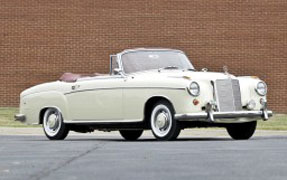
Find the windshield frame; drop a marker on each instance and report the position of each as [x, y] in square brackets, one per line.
[146, 50]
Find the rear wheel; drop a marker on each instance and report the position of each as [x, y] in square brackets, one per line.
[53, 125]
[163, 125]
[241, 131]
[131, 135]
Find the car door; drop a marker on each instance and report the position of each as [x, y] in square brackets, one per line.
[97, 99]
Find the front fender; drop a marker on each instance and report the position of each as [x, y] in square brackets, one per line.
[31, 105]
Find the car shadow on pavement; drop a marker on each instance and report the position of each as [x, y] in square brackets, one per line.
[150, 139]
[191, 139]
[147, 139]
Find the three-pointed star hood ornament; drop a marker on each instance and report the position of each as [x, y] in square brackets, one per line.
[225, 69]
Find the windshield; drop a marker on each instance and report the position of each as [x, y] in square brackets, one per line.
[147, 60]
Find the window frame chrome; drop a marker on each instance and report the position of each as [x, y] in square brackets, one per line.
[111, 63]
[119, 55]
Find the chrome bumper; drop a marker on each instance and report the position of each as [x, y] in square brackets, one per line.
[20, 117]
[211, 116]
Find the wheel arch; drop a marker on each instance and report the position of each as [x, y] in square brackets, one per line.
[44, 109]
[150, 102]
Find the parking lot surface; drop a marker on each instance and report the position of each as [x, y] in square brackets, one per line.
[108, 156]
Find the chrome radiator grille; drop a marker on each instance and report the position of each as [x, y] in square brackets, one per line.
[228, 95]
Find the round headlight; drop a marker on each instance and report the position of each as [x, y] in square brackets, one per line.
[261, 88]
[194, 89]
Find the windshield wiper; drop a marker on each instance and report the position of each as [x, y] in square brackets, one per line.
[168, 67]
[189, 69]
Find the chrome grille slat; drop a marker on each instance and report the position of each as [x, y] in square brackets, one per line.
[236, 95]
[228, 95]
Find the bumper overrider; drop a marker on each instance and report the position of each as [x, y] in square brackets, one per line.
[214, 116]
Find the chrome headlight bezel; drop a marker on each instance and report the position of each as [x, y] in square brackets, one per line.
[194, 89]
[261, 88]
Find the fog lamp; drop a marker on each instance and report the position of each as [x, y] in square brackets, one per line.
[251, 104]
[263, 101]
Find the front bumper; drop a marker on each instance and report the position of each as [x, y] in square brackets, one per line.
[210, 116]
[20, 117]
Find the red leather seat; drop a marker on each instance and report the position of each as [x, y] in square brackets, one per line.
[70, 77]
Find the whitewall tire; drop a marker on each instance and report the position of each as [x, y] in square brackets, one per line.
[163, 125]
[53, 125]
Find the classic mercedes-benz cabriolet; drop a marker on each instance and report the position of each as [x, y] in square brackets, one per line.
[156, 89]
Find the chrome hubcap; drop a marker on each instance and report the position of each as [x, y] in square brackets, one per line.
[52, 122]
[161, 120]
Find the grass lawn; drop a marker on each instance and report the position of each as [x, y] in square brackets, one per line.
[277, 122]
[7, 118]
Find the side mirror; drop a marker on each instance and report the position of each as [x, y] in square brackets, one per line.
[117, 71]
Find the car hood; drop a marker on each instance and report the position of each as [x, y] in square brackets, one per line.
[204, 75]
[194, 75]
[40, 88]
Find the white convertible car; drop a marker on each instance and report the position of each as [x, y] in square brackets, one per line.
[156, 89]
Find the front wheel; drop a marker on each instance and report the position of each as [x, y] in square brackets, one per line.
[131, 135]
[163, 125]
[241, 131]
[53, 125]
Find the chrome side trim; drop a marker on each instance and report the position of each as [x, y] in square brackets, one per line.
[102, 121]
[110, 88]
[20, 117]
[204, 116]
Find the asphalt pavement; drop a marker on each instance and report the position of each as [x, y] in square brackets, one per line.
[33, 157]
